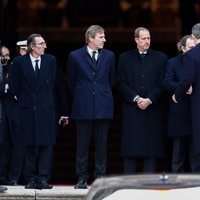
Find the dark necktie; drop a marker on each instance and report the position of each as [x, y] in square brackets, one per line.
[37, 70]
[93, 57]
[142, 56]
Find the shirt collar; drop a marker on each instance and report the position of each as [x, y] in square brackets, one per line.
[33, 59]
[145, 52]
[91, 50]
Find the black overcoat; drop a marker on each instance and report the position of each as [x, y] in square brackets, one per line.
[142, 130]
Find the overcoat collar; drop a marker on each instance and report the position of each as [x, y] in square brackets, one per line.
[89, 59]
[30, 74]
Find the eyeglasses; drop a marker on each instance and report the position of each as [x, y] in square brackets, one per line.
[41, 44]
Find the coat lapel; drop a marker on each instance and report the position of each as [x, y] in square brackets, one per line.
[43, 70]
[29, 71]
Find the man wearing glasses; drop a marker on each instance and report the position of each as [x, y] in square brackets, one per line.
[34, 80]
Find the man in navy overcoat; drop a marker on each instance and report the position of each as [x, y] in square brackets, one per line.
[179, 119]
[90, 74]
[33, 82]
[191, 76]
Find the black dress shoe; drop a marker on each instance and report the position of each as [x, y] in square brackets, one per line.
[3, 189]
[13, 183]
[30, 185]
[43, 185]
[81, 184]
[3, 181]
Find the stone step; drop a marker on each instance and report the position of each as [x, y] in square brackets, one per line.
[57, 192]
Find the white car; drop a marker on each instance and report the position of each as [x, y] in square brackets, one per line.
[146, 186]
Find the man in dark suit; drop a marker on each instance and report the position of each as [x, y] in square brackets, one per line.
[11, 154]
[140, 75]
[179, 120]
[90, 73]
[191, 76]
[2, 189]
[6, 112]
[33, 82]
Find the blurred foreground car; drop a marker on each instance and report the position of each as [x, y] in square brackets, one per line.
[149, 186]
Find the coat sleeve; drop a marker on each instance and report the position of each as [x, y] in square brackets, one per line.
[60, 92]
[158, 89]
[16, 77]
[128, 93]
[71, 72]
[187, 78]
[170, 83]
[112, 74]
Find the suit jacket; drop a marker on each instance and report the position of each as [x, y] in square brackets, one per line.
[9, 105]
[1, 128]
[191, 76]
[142, 130]
[91, 86]
[179, 120]
[35, 99]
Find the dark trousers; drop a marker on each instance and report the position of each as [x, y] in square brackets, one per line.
[182, 146]
[38, 163]
[130, 165]
[12, 156]
[17, 163]
[86, 129]
[5, 147]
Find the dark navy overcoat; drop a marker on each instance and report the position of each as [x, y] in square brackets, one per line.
[179, 118]
[35, 99]
[91, 86]
[191, 76]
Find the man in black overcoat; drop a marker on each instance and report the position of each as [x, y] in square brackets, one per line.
[140, 75]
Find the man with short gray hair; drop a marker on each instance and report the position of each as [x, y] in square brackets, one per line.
[196, 31]
[191, 76]
[179, 120]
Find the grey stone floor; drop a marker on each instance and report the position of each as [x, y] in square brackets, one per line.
[56, 193]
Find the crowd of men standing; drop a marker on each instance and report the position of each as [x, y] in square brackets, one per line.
[141, 76]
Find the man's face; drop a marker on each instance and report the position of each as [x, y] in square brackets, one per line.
[97, 42]
[38, 48]
[143, 41]
[190, 43]
[5, 56]
[5, 53]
